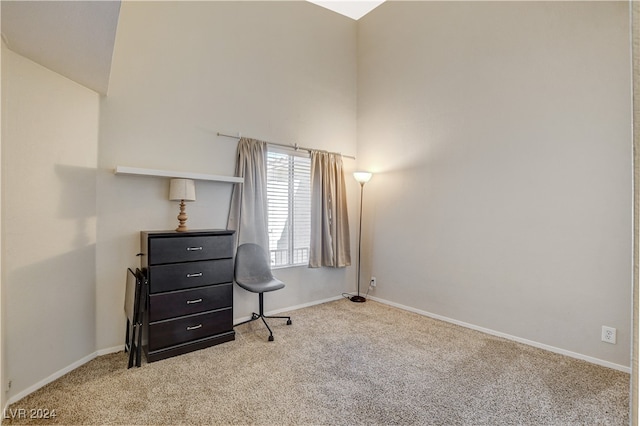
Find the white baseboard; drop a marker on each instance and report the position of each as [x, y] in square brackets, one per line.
[51, 378]
[539, 345]
[110, 350]
[17, 397]
[290, 308]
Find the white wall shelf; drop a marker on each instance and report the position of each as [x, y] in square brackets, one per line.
[124, 170]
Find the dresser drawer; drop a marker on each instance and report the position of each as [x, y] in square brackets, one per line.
[181, 276]
[186, 302]
[189, 248]
[192, 327]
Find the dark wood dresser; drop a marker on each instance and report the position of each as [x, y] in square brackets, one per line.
[190, 291]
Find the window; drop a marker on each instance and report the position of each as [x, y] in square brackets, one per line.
[289, 206]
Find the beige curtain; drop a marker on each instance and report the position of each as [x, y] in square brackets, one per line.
[248, 212]
[330, 244]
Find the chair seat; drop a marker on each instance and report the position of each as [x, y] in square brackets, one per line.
[261, 286]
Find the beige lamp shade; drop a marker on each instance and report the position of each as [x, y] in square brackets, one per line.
[182, 190]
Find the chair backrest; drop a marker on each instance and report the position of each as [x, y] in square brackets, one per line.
[252, 264]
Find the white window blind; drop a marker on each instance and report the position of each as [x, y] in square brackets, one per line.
[289, 206]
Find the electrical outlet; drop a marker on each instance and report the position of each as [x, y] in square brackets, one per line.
[373, 282]
[608, 334]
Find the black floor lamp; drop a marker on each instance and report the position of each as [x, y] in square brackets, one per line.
[362, 177]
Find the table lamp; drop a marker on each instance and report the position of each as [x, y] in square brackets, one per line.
[182, 190]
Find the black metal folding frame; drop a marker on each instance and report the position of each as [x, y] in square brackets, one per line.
[134, 306]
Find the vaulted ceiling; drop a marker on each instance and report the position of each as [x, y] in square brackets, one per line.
[73, 38]
[76, 38]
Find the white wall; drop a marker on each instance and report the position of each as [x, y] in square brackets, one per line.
[635, 397]
[49, 158]
[181, 72]
[3, 346]
[501, 137]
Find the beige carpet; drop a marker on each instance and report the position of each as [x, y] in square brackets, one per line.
[342, 363]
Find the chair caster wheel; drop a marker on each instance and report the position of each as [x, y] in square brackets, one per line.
[271, 338]
[288, 322]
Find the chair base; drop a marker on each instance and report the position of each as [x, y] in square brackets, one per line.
[358, 299]
[262, 316]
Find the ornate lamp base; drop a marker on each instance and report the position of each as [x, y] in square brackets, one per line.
[182, 218]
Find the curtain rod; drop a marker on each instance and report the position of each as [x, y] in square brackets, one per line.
[294, 146]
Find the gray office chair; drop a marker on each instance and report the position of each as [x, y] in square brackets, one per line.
[253, 273]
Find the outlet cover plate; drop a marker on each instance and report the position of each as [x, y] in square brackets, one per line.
[608, 334]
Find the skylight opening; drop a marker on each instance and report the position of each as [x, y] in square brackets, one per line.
[354, 9]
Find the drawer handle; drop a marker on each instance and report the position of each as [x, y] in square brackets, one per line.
[195, 327]
[189, 302]
[194, 248]
[199, 274]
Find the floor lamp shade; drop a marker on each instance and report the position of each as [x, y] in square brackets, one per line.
[362, 178]
[182, 190]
